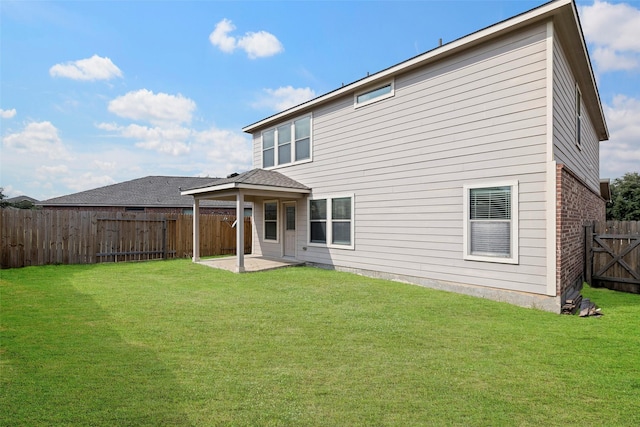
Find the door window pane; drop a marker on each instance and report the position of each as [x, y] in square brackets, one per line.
[291, 218]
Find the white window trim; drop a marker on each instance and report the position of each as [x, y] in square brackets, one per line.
[357, 104]
[293, 144]
[514, 259]
[578, 114]
[264, 221]
[329, 221]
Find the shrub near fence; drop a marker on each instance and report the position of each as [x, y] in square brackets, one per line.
[39, 237]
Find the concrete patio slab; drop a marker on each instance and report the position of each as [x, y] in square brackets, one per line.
[252, 263]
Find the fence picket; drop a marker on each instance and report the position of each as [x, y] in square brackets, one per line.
[39, 237]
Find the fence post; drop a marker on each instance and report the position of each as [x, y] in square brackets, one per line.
[164, 238]
[588, 253]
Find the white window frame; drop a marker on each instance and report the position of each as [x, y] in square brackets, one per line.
[264, 221]
[578, 116]
[329, 221]
[276, 159]
[392, 93]
[514, 258]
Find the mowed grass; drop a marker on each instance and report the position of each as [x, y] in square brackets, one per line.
[173, 343]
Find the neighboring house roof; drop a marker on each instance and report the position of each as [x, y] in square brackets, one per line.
[256, 179]
[150, 191]
[566, 25]
[20, 199]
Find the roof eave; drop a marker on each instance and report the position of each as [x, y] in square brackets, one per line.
[244, 186]
[542, 12]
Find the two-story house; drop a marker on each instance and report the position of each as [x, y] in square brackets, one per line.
[471, 167]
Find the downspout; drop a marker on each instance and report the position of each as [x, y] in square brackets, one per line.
[551, 233]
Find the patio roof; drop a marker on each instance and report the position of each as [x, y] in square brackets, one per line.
[252, 183]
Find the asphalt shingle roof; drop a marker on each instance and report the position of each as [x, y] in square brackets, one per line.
[256, 177]
[150, 191]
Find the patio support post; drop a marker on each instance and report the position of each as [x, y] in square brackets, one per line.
[196, 230]
[240, 232]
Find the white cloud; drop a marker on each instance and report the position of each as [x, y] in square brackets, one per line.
[220, 38]
[157, 109]
[284, 97]
[39, 138]
[613, 30]
[88, 181]
[226, 146]
[94, 68]
[611, 60]
[256, 44]
[173, 140]
[621, 153]
[260, 44]
[105, 166]
[7, 114]
[48, 171]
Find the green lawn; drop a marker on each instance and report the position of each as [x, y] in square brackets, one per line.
[173, 343]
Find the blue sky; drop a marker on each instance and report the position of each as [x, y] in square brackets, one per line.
[98, 92]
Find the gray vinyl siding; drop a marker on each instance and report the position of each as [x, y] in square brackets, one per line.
[477, 117]
[583, 161]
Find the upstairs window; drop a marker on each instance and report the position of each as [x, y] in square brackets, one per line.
[491, 223]
[268, 150]
[376, 94]
[287, 144]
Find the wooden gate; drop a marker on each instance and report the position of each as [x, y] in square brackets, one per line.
[134, 239]
[613, 255]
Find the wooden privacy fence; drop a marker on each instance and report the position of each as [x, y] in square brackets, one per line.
[613, 255]
[39, 237]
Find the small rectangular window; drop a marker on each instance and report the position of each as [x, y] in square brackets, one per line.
[271, 221]
[578, 117]
[373, 95]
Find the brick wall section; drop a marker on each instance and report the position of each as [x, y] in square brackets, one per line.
[576, 206]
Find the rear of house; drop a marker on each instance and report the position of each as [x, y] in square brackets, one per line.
[469, 168]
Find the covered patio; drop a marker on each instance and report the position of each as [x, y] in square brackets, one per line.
[256, 184]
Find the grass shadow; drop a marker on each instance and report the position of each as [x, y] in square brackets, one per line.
[63, 364]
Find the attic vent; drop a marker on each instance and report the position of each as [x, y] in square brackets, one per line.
[233, 175]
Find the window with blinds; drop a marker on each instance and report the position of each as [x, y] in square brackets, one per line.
[490, 222]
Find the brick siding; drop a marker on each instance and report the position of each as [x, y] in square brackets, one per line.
[577, 205]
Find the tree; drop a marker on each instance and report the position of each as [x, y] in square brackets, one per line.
[625, 198]
[3, 204]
